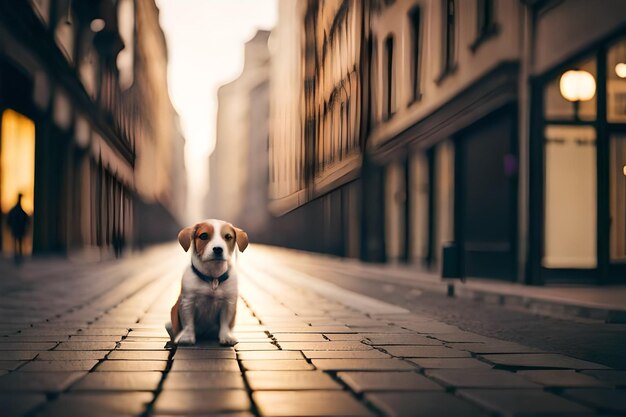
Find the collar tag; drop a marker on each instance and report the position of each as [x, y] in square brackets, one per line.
[215, 283]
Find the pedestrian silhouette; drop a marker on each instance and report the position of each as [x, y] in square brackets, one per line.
[18, 221]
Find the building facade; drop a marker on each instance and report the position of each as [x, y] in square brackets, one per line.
[490, 138]
[82, 87]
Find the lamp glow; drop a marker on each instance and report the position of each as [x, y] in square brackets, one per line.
[620, 70]
[577, 85]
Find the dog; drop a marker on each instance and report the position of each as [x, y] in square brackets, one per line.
[207, 304]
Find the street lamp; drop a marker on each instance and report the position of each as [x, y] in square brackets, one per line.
[577, 86]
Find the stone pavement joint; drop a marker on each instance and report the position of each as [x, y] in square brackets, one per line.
[102, 350]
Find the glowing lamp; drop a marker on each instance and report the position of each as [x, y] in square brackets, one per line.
[577, 85]
[620, 70]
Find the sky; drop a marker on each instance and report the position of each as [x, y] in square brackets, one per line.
[205, 45]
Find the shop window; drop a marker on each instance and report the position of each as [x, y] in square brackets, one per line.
[17, 168]
[570, 235]
[571, 95]
[616, 82]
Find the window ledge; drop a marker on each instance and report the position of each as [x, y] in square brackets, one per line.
[416, 99]
[449, 70]
[484, 36]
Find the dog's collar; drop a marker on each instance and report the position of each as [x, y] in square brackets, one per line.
[209, 279]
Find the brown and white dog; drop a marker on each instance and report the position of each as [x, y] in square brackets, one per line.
[207, 304]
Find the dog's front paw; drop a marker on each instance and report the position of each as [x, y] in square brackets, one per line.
[228, 339]
[186, 337]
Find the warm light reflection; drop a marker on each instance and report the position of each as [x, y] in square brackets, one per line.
[97, 25]
[577, 85]
[620, 70]
[17, 163]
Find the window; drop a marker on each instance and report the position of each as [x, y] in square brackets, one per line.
[485, 22]
[414, 16]
[449, 33]
[388, 95]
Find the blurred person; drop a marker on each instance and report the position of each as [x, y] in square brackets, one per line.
[18, 221]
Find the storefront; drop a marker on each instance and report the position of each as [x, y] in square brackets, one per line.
[578, 173]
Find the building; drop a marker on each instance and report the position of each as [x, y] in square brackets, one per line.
[317, 130]
[238, 165]
[472, 136]
[85, 119]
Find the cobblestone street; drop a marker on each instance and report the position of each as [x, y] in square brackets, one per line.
[88, 340]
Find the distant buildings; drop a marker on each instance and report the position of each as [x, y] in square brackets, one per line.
[89, 135]
[493, 129]
[238, 167]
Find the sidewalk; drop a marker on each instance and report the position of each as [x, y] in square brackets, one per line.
[306, 349]
[602, 303]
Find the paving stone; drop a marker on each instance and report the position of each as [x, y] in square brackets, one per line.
[56, 366]
[243, 336]
[361, 364]
[119, 381]
[431, 327]
[19, 404]
[388, 381]
[425, 352]
[196, 402]
[496, 347]
[93, 338]
[255, 346]
[277, 365]
[403, 339]
[222, 365]
[562, 378]
[205, 354]
[142, 346]
[607, 400]
[523, 402]
[17, 355]
[77, 404]
[311, 329]
[10, 365]
[308, 403]
[613, 377]
[467, 337]
[140, 355]
[103, 331]
[131, 366]
[19, 338]
[480, 378]
[203, 381]
[449, 363]
[163, 340]
[26, 346]
[67, 355]
[347, 345]
[540, 360]
[268, 354]
[345, 354]
[422, 404]
[336, 337]
[86, 346]
[290, 380]
[299, 337]
[38, 381]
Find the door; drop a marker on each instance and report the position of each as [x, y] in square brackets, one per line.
[617, 203]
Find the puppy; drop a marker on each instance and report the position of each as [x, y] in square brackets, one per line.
[207, 303]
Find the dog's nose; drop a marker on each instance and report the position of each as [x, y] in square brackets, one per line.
[218, 251]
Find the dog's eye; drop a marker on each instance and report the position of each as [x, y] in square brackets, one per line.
[228, 236]
[204, 236]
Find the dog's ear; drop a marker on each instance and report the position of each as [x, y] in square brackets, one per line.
[241, 238]
[185, 236]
